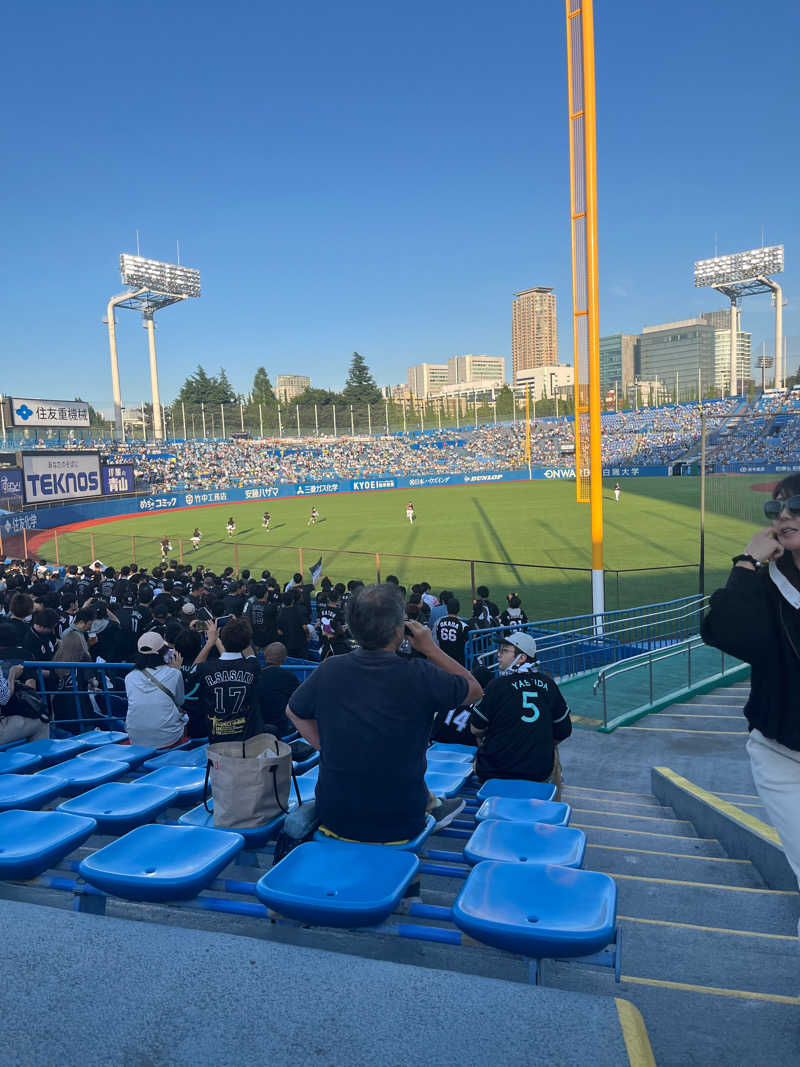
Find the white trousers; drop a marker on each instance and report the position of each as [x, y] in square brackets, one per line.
[776, 772]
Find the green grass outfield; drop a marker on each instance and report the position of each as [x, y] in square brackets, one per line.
[655, 524]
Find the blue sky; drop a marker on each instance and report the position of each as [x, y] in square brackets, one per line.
[373, 177]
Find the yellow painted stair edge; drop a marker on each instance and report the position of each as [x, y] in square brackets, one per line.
[769, 833]
[634, 1032]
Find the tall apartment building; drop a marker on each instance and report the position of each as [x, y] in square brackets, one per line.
[288, 386]
[476, 370]
[619, 362]
[427, 379]
[534, 329]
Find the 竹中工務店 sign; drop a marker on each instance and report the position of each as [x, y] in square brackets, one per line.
[26, 411]
[55, 476]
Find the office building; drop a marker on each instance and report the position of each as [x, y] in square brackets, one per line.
[534, 330]
[476, 370]
[427, 379]
[681, 354]
[721, 321]
[396, 392]
[619, 362]
[288, 386]
[546, 382]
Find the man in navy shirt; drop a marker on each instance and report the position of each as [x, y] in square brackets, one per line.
[370, 714]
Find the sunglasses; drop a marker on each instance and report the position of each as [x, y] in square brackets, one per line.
[774, 508]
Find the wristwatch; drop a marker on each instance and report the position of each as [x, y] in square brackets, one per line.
[745, 557]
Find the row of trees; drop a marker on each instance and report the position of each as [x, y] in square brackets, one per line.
[209, 389]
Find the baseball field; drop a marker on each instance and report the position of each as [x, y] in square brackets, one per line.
[526, 537]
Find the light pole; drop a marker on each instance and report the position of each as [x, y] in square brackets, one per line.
[153, 285]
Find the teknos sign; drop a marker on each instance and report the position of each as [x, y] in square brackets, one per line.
[50, 477]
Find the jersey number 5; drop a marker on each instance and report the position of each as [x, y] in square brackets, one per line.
[529, 703]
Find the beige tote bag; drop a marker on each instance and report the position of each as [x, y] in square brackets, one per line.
[249, 780]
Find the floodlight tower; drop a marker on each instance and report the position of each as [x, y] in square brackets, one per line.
[153, 285]
[746, 274]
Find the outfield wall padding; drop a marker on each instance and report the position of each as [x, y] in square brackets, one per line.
[87, 510]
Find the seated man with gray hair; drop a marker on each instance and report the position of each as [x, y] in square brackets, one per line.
[370, 714]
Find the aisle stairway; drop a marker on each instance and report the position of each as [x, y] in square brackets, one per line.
[710, 954]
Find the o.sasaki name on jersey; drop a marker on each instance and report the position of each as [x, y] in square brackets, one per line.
[222, 677]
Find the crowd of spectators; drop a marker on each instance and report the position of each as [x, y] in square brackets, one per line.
[181, 616]
[385, 667]
[768, 430]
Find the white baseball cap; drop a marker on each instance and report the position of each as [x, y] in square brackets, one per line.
[522, 642]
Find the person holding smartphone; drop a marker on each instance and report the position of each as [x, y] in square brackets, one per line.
[756, 617]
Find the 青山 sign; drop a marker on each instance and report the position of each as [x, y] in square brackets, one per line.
[28, 412]
[117, 478]
[55, 476]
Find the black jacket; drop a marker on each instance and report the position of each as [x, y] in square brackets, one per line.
[749, 618]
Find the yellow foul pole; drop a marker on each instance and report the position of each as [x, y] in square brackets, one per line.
[528, 425]
[586, 332]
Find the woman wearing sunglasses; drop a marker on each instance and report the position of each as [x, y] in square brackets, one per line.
[756, 617]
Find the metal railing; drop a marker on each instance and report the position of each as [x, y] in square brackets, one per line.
[702, 663]
[566, 647]
[94, 694]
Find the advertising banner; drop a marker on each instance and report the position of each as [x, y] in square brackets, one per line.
[10, 482]
[50, 477]
[28, 412]
[117, 478]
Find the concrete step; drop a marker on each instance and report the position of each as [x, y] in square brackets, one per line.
[709, 904]
[673, 863]
[692, 723]
[696, 1027]
[584, 815]
[621, 807]
[624, 836]
[709, 958]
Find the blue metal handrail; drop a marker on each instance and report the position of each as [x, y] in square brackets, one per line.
[566, 647]
[104, 684]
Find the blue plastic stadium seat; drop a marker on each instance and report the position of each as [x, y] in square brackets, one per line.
[118, 807]
[54, 750]
[254, 836]
[444, 746]
[525, 842]
[435, 755]
[161, 863]
[537, 911]
[32, 841]
[414, 845]
[133, 755]
[308, 788]
[302, 766]
[518, 788]
[77, 775]
[312, 774]
[338, 884]
[16, 761]
[447, 785]
[515, 810]
[102, 737]
[454, 767]
[179, 757]
[28, 791]
[187, 781]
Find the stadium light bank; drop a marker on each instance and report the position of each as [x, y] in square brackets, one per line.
[745, 274]
[153, 285]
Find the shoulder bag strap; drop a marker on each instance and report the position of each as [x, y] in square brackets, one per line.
[163, 688]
